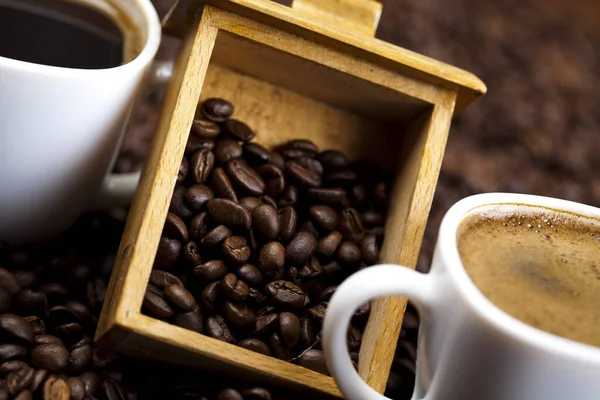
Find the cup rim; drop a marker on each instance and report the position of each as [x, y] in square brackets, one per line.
[143, 59]
[481, 305]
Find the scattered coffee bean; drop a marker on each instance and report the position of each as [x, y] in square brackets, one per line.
[236, 250]
[196, 197]
[180, 297]
[289, 328]
[191, 254]
[216, 236]
[313, 359]
[227, 150]
[229, 213]
[222, 186]
[265, 222]
[244, 178]
[191, 320]
[168, 252]
[205, 129]
[234, 288]
[211, 271]
[218, 329]
[250, 274]
[217, 110]
[300, 248]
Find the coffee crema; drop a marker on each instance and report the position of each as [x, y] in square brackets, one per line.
[539, 265]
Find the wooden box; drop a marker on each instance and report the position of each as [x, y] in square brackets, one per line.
[311, 71]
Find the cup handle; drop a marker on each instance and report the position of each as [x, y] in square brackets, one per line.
[118, 190]
[373, 282]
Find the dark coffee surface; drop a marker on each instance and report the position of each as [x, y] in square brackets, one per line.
[539, 265]
[48, 37]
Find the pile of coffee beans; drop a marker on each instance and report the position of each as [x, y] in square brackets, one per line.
[257, 240]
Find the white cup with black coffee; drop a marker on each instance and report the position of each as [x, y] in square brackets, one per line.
[509, 310]
[69, 73]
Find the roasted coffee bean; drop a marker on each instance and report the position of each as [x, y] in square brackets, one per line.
[313, 359]
[85, 340]
[103, 357]
[268, 200]
[360, 196]
[60, 315]
[229, 213]
[326, 294]
[317, 313]
[266, 310]
[51, 357]
[80, 359]
[76, 388]
[211, 271]
[12, 366]
[234, 288]
[218, 329]
[9, 351]
[69, 333]
[330, 196]
[286, 295]
[299, 250]
[92, 383]
[255, 345]
[309, 227]
[55, 292]
[354, 338]
[289, 196]
[266, 323]
[244, 178]
[180, 297]
[196, 197]
[289, 328]
[227, 150]
[265, 221]
[15, 329]
[95, 292]
[48, 339]
[271, 260]
[236, 250]
[371, 218]
[183, 170]
[303, 147]
[5, 301]
[255, 153]
[157, 305]
[307, 335]
[56, 389]
[350, 225]
[191, 320]
[178, 205]
[24, 395]
[215, 237]
[239, 130]
[9, 282]
[250, 203]
[38, 378]
[311, 269]
[333, 160]
[324, 216]
[311, 164]
[195, 144]
[237, 315]
[161, 279]
[277, 160]
[329, 244]
[302, 176]
[292, 274]
[217, 110]
[175, 228]
[369, 249]
[222, 186]
[210, 296]
[380, 194]
[26, 279]
[349, 252]
[288, 221]
[205, 129]
[82, 314]
[191, 254]
[250, 274]
[344, 178]
[202, 164]
[168, 252]
[255, 298]
[278, 348]
[274, 179]
[19, 380]
[229, 394]
[362, 312]
[257, 394]
[37, 324]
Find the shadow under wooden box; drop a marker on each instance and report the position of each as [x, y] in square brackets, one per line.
[291, 74]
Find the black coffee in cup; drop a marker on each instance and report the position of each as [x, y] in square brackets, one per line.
[59, 33]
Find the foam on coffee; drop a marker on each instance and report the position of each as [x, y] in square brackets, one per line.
[539, 265]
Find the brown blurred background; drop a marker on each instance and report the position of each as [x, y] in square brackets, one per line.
[536, 129]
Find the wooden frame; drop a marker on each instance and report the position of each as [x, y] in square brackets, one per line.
[344, 90]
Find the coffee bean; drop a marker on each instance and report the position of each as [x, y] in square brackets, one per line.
[333, 160]
[15, 329]
[286, 295]
[300, 248]
[250, 203]
[51, 357]
[265, 221]
[257, 394]
[239, 130]
[37, 324]
[9, 351]
[227, 150]
[48, 339]
[218, 329]
[289, 328]
[222, 186]
[9, 282]
[329, 244]
[326, 294]
[217, 110]
[359, 196]
[5, 301]
[195, 144]
[317, 313]
[299, 148]
[80, 359]
[56, 389]
[237, 315]
[85, 341]
[215, 237]
[311, 269]
[191, 320]
[302, 176]
[183, 170]
[76, 388]
[344, 178]
[234, 288]
[103, 357]
[380, 194]
[371, 218]
[69, 333]
[60, 315]
[255, 153]
[250, 274]
[292, 274]
[191, 254]
[244, 178]
[210, 296]
[26, 279]
[55, 292]
[274, 179]
[12, 366]
[324, 216]
[38, 378]
[307, 335]
[229, 213]
[354, 338]
[266, 323]
[236, 250]
[350, 225]
[161, 279]
[278, 348]
[180, 297]
[255, 345]
[24, 395]
[229, 394]
[330, 196]
[205, 129]
[311, 164]
[255, 298]
[168, 252]
[196, 197]
[20, 379]
[277, 160]
[313, 359]
[177, 205]
[211, 271]
[369, 249]
[271, 260]
[362, 312]
[349, 252]
[175, 228]
[268, 200]
[156, 305]
[92, 383]
[202, 164]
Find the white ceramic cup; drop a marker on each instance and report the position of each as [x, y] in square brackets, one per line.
[60, 129]
[468, 348]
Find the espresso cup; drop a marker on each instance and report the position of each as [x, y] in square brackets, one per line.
[60, 128]
[468, 347]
